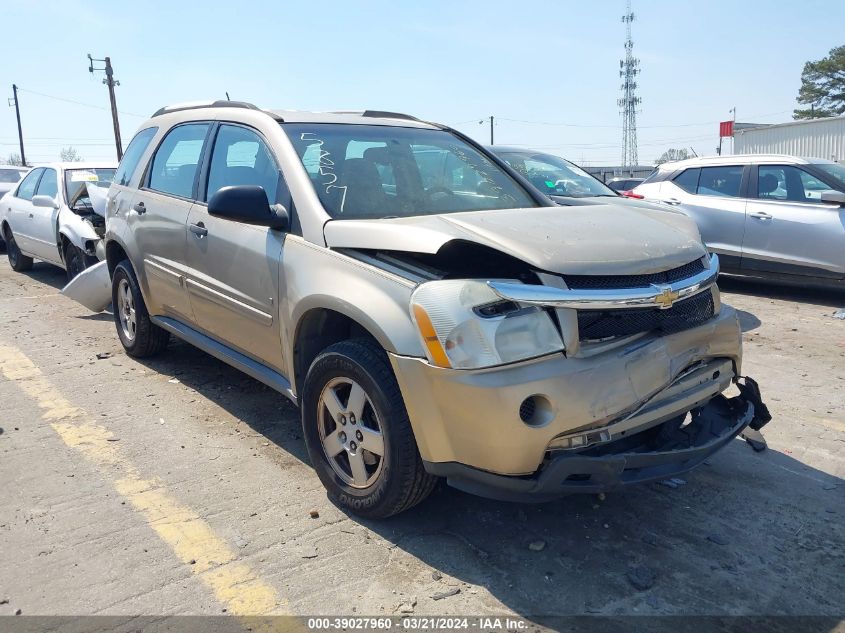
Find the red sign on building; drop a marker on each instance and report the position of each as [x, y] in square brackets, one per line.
[726, 128]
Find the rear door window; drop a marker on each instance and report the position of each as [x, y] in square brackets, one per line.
[176, 162]
[720, 181]
[27, 187]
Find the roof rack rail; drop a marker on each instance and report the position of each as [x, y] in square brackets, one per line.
[381, 114]
[220, 103]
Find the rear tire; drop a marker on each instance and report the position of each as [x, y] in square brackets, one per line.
[356, 478]
[76, 260]
[18, 261]
[138, 334]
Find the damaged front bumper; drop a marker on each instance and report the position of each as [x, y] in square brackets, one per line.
[91, 287]
[659, 453]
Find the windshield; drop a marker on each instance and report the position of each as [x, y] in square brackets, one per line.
[834, 169]
[75, 179]
[380, 171]
[11, 175]
[555, 176]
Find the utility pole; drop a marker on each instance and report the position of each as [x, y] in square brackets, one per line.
[111, 82]
[733, 111]
[18, 114]
[481, 122]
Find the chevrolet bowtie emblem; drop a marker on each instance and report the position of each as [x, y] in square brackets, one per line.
[666, 298]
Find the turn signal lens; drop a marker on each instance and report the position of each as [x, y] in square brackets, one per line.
[435, 350]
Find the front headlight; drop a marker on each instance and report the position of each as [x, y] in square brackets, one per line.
[465, 325]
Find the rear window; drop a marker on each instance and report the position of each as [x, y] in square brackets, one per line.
[688, 180]
[133, 154]
[656, 176]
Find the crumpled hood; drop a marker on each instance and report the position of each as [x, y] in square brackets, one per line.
[600, 239]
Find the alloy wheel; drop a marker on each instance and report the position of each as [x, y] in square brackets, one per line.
[350, 432]
[126, 309]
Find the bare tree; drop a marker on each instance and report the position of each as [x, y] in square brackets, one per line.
[14, 159]
[70, 155]
[671, 155]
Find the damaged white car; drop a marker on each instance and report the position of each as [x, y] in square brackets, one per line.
[57, 214]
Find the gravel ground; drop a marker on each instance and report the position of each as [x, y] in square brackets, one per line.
[179, 486]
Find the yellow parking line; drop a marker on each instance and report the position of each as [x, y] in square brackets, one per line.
[234, 584]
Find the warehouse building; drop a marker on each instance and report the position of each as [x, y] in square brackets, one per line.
[814, 138]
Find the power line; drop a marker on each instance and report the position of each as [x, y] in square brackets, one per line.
[80, 103]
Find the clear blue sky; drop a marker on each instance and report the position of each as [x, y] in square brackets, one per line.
[454, 62]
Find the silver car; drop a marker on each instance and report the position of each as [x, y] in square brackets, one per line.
[432, 314]
[772, 216]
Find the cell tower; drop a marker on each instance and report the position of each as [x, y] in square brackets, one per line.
[629, 68]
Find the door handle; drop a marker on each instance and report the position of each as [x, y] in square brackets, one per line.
[199, 230]
[672, 201]
[761, 215]
[140, 208]
[32, 216]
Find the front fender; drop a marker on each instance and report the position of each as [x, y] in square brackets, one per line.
[316, 277]
[77, 230]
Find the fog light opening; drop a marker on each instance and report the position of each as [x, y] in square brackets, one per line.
[536, 410]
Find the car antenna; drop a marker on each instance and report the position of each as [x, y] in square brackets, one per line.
[227, 97]
[694, 154]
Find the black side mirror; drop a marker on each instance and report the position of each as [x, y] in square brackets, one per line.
[248, 204]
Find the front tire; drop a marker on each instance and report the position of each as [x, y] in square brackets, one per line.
[18, 261]
[358, 434]
[138, 334]
[76, 261]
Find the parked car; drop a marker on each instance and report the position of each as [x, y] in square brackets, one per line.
[10, 175]
[428, 323]
[621, 185]
[772, 216]
[50, 216]
[556, 177]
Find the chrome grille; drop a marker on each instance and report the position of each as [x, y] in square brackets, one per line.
[683, 315]
[607, 282]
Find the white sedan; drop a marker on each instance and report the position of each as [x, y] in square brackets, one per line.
[54, 215]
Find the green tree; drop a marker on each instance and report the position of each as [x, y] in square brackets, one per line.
[70, 155]
[823, 87]
[671, 155]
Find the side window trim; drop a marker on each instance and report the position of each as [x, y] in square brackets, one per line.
[41, 180]
[205, 165]
[144, 185]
